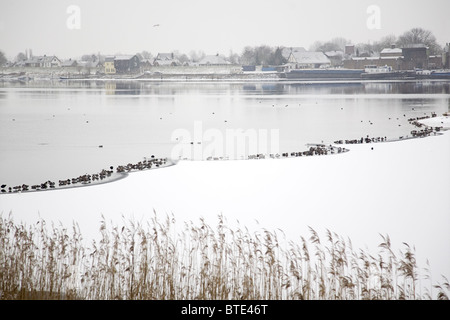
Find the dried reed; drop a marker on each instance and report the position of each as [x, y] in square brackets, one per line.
[132, 261]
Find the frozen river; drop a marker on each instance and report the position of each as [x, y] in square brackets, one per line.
[58, 130]
[399, 188]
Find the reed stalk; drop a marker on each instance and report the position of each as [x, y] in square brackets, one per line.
[155, 261]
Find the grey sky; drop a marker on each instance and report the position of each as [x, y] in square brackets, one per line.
[127, 26]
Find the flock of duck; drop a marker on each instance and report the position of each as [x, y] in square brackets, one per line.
[89, 179]
[315, 149]
[427, 131]
[423, 132]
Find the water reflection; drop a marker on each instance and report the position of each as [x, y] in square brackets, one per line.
[279, 87]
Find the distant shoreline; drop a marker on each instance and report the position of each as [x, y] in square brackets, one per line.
[186, 75]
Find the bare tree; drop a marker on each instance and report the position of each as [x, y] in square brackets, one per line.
[3, 59]
[420, 36]
[384, 42]
[278, 58]
[247, 56]
[262, 55]
[234, 58]
[365, 50]
[329, 46]
[340, 43]
[316, 45]
[182, 57]
[335, 44]
[89, 57]
[146, 55]
[20, 57]
[196, 56]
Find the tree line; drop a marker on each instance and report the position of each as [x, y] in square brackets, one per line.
[272, 55]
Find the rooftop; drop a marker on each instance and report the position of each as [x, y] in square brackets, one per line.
[391, 50]
[309, 57]
[164, 56]
[68, 63]
[376, 58]
[124, 57]
[213, 59]
[334, 53]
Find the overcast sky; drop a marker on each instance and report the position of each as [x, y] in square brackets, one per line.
[127, 26]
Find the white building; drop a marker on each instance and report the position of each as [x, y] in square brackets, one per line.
[166, 59]
[43, 62]
[50, 62]
[307, 59]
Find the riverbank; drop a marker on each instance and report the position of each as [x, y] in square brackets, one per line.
[207, 73]
[157, 73]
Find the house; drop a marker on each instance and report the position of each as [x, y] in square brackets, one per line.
[126, 64]
[308, 59]
[109, 65]
[435, 62]
[349, 49]
[391, 57]
[406, 58]
[69, 63]
[213, 60]
[166, 59]
[146, 63]
[415, 56]
[391, 52]
[360, 62]
[50, 62]
[34, 62]
[90, 66]
[43, 62]
[335, 57]
[165, 56]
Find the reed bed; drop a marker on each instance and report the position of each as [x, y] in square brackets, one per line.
[155, 261]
